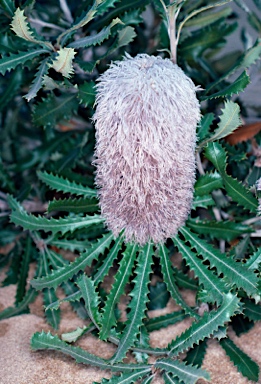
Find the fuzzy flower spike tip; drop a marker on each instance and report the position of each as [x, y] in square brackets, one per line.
[146, 117]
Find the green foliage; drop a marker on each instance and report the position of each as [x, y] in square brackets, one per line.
[49, 203]
[243, 362]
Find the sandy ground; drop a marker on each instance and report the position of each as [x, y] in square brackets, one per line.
[20, 365]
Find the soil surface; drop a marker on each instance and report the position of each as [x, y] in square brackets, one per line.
[20, 365]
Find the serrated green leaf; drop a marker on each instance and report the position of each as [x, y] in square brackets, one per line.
[204, 126]
[226, 230]
[71, 337]
[63, 185]
[169, 280]
[47, 341]
[108, 262]
[22, 307]
[71, 244]
[234, 272]
[128, 378]
[63, 62]
[70, 224]
[208, 18]
[234, 88]
[65, 273]
[91, 298]
[211, 283]
[186, 373]
[23, 272]
[7, 63]
[86, 93]
[126, 36]
[245, 61]
[164, 321]
[195, 355]
[206, 326]
[53, 317]
[183, 281]
[240, 194]
[53, 109]
[8, 6]
[21, 27]
[37, 83]
[254, 261]
[117, 289]
[96, 39]
[170, 379]
[252, 310]
[207, 183]
[229, 121]
[158, 296]
[204, 201]
[81, 205]
[241, 360]
[76, 296]
[137, 305]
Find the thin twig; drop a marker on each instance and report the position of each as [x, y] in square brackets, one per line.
[45, 24]
[66, 10]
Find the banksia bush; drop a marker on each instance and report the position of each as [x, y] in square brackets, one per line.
[146, 118]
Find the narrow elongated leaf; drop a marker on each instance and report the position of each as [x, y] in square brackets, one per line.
[75, 296]
[204, 201]
[207, 18]
[47, 341]
[8, 6]
[52, 316]
[21, 307]
[204, 126]
[53, 109]
[206, 326]
[65, 273]
[24, 269]
[233, 272]
[229, 121]
[33, 223]
[128, 378]
[207, 183]
[211, 283]
[63, 185]
[241, 360]
[196, 355]
[37, 83]
[117, 289]
[186, 373]
[71, 337]
[96, 39]
[74, 205]
[138, 303]
[235, 87]
[14, 59]
[245, 61]
[164, 321]
[169, 280]
[226, 230]
[217, 155]
[254, 261]
[108, 262]
[91, 298]
[72, 245]
[252, 310]
[183, 281]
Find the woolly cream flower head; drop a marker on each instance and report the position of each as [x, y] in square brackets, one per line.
[146, 119]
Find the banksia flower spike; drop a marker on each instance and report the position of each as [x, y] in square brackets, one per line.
[146, 119]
